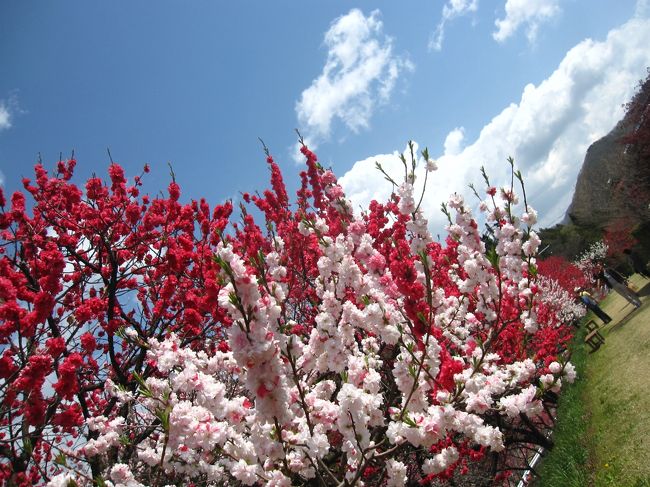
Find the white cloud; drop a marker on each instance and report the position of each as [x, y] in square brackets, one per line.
[547, 132]
[451, 10]
[5, 123]
[359, 74]
[528, 13]
[454, 141]
[364, 183]
[5, 116]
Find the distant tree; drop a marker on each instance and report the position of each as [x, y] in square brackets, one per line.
[619, 236]
[568, 241]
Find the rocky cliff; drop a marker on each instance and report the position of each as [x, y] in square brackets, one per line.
[614, 182]
[593, 199]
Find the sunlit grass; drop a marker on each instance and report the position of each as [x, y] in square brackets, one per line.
[603, 432]
[618, 396]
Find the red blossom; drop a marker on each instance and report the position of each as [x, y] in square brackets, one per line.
[55, 346]
[7, 365]
[67, 385]
[69, 418]
[174, 191]
[88, 342]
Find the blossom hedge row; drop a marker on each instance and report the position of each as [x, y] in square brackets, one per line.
[148, 342]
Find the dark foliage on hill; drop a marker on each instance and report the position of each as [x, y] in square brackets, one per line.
[568, 240]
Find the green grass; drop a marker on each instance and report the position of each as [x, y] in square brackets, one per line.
[567, 464]
[603, 431]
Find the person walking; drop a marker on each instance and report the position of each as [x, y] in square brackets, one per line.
[591, 304]
[622, 289]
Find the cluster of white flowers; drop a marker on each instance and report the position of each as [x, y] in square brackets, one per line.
[596, 251]
[254, 338]
[406, 199]
[440, 461]
[564, 305]
[109, 434]
[591, 258]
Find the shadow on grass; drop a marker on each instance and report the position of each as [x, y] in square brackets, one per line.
[622, 321]
[644, 291]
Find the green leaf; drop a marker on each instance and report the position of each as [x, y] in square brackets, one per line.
[27, 446]
[138, 378]
[412, 371]
[422, 318]
[493, 257]
[163, 416]
[60, 459]
[408, 420]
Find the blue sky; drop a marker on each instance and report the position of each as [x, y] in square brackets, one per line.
[196, 83]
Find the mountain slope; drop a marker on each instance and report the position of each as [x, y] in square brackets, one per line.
[614, 182]
[612, 193]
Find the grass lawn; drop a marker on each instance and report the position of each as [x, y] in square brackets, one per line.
[603, 432]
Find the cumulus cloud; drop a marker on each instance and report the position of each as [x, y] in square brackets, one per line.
[529, 14]
[364, 183]
[547, 132]
[451, 10]
[359, 74]
[454, 141]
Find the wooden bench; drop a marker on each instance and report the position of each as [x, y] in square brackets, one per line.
[591, 325]
[594, 339]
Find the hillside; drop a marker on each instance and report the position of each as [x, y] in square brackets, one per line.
[594, 201]
[612, 193]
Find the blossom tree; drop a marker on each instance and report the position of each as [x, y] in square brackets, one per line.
[591, 261]
[618, 237]
[85, 266]
[562, 281]
[322, 347]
